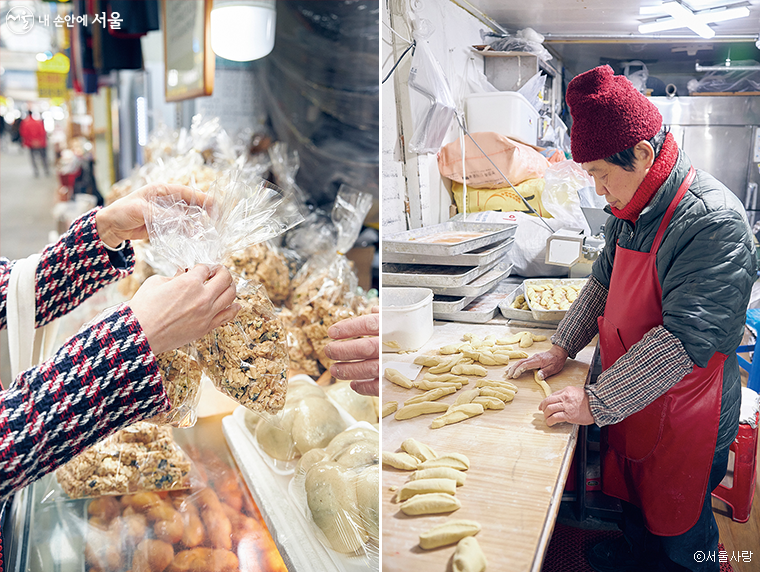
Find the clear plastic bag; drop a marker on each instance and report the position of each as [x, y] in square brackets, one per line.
[532, 90]
[139, 458]
[433, 106]
[638, 77]
[246, 358]
[338, 490]
[325, 289]
[560, 196]
[214, 525]
[181, 374]
[506, 43]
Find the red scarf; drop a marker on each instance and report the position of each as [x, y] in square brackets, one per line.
[654, 179]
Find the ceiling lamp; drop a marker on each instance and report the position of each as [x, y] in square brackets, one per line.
[242, 30]
[681, 16]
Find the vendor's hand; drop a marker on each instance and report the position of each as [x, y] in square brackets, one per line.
[357, 359]
[176, 311]
[124, 219]
[569, 405]
[547, 363]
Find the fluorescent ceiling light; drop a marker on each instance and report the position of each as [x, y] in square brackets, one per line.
[682, 17]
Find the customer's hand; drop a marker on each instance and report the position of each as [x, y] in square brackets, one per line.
[357, 359]
[547, 363]
[124, 219]
[176, 311]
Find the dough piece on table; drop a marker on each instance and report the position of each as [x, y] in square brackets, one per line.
[468, 556]
[419, 450]
[445, 366]
[389, 407]
[457, 413]
[430, 503]
[395, 376]
[431, 395]
[428, 361]
[448, 533]
[512, 339]
[470, 369]
[450, 349]
[418, 409]
[496, 383]
[467, 396]
[526, 340]
[447, 377]
[489, 402]
[544, 386]
[452, 460]
[427, 385]
[402, 461]
[439, 473]
[425, 486]
[505, 395]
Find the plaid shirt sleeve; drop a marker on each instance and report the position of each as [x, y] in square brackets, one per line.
[647, 370]
[579, 325]
[102, 379]
[69, 271]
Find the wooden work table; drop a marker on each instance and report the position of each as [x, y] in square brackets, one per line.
[518, 465]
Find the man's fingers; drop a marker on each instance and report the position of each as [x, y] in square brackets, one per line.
[366, 387]
[368, 325]
[555, 418]
[518, 368]
[357, 370]
[350, 350]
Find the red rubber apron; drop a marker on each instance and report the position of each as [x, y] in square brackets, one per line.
[659, 458]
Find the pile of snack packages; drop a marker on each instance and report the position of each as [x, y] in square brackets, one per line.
[147, 499]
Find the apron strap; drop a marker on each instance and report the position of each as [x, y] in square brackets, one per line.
[672, 209]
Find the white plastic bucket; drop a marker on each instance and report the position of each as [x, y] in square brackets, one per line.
[407, 315]
[507, 113]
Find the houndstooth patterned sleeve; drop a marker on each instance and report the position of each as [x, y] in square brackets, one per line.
[102, 379]
[69, 272]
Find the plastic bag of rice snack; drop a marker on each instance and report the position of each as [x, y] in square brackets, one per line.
[246, 358]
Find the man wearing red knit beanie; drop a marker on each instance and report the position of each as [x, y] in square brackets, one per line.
[668, 297]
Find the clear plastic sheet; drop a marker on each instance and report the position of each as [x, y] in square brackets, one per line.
[246, 358]
[325, 289]
[139, 458]
[308, 421]
[337, 488]
[433, 106]
[728, 81]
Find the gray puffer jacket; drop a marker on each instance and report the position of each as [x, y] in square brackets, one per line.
[706, 265]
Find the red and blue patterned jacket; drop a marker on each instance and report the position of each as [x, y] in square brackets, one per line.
[102, 379]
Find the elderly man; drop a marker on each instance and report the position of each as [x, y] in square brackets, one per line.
[668, 298]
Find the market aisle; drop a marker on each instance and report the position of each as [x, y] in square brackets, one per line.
[26, 218]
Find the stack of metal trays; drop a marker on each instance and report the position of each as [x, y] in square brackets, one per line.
[458, 260]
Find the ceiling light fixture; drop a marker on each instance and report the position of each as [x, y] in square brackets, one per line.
[242, 30]
[681, 16]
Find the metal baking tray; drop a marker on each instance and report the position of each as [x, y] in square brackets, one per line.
[479, 257]
[505, 306]
[481, 285]
[427, 276]
[481, 309]
[448, 304]
[472, 235]
[541, 314]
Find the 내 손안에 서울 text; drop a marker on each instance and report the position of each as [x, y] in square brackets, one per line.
[21, 19]
[723, 556]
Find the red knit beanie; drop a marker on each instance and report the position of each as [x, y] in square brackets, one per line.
[609, 115]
